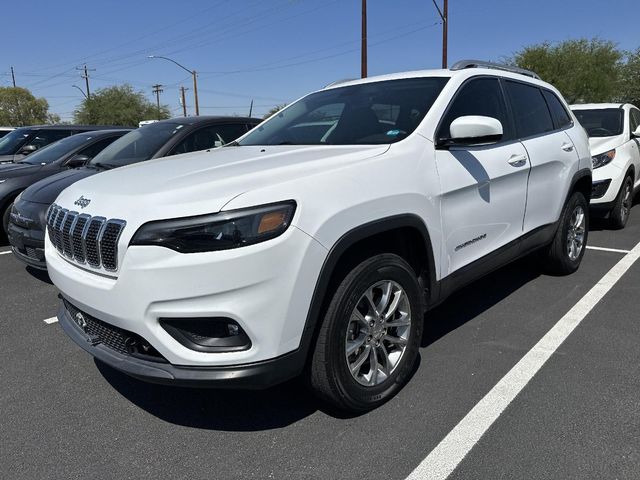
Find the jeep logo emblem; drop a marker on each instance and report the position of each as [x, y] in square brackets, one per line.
[80, 320]
[82, 202]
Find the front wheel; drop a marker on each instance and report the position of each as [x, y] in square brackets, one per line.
[5, 219]
[370, 335]
[567, 248]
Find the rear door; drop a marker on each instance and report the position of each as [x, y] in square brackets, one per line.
[484, 187]
[211, 136]
[551, 152]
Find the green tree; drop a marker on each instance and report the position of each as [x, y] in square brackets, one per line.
[583, 70]
[630, 79]
[18, 108]
[275, 109]
[118, 105]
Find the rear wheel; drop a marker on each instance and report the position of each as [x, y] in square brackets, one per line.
[369, 339]
[567, 248]
[622, 206]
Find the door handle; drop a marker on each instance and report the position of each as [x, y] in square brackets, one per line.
[517, 160]
[567, 147]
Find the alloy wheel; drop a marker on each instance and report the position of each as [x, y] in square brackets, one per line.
[378, 333]
[576, 233]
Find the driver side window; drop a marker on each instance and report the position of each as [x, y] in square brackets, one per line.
[479, 96]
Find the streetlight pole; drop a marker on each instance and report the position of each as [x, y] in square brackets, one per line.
[81, 91]
[193, 74]
[363, 46]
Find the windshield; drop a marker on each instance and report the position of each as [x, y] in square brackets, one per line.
[55, 151]
[12, 141]
[601, 122]
[137, 146]
[369, 113]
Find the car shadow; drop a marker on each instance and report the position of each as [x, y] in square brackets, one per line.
[474, 299]
[41, 275]
[215, 409]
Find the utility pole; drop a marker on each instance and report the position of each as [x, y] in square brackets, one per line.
[86, 78]
[183, 101]
[195, 91]
[363, 48]
[157, 89]
[444, 15]
[13, 77]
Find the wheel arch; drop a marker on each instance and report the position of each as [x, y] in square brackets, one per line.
[386, 235]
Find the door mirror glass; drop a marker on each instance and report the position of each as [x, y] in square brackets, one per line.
[77, 161]
[636, 133]
[27, 149]
[474, 130]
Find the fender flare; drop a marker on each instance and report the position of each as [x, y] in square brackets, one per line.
[330, 264]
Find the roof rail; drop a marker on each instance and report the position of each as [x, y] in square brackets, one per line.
[338, 82]
[462, 64]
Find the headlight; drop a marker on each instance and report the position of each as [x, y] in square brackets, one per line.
[602, 159]
[219, 231]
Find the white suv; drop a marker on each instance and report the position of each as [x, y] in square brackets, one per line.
[614, 136]
[316, 242]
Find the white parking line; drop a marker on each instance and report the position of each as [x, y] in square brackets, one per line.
[51, 320]
[603, 249]
[443, 459]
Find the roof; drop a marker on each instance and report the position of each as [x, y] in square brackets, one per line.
[596, 106]
[104, 133]
[209, 119]
[72, 127]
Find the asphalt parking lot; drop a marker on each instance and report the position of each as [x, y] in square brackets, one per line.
[64, 416]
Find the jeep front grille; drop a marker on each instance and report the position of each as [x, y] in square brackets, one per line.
[85, 239]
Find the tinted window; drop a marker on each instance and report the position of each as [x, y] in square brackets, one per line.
[210, 137]
[12, 141]
[601, 122]
[530, 110]
[480, 96]
[3, 133]
[138, 145]
[561, 118]
[45, 137]
[57, 150]
[367, 113]
[92, 150]
[635, 119]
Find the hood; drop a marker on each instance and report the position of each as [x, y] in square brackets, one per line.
[203, 182]
[600, 145]
[47, 190]
[10, 170]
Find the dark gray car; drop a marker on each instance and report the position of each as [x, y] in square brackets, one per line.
[168, 137]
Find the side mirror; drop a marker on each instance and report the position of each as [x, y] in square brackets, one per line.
[27, 149]
[473, 130]
[77, 161]
[636, 133]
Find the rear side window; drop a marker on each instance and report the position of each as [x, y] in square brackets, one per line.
[480, 96]
[531, 114]
[561, 118]
[210, 137]
[45, 137]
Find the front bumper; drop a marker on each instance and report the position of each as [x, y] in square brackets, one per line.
[609, 180]
[251, 376]
[27, 245]
[266, 288]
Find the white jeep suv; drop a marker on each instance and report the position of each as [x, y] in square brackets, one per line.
[614, 136]
[316, 242]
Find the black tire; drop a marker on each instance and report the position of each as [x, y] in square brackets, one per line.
[5, 220]
[330, 377]
[558, 259]
[622, 206]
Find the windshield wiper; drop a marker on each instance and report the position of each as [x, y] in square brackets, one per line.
[235, 143]
[104, 166]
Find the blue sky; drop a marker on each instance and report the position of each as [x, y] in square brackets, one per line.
[272, 51]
